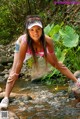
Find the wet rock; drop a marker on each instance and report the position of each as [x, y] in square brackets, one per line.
[22, 97]
[2, 94]
[39, 106]
[2, 74]
[31, 109]
[1, 79]
[1, 67]
[21, 108]
[5, 71]
[6, 76]
[78, 105]
[21, 101]
[71, 95]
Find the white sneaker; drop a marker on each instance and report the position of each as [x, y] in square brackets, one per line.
[4, 103]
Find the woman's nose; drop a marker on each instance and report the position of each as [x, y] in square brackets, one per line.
[35, 31]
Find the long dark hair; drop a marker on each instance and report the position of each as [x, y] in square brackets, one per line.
[29, 19]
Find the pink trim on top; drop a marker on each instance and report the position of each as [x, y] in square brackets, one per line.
[41, 53]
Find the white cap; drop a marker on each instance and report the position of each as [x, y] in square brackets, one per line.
[36, 23]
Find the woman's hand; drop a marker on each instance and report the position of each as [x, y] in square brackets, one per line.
[78, 83]
[12, 77]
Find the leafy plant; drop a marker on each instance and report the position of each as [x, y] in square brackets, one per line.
[30, 62]
[65, 39]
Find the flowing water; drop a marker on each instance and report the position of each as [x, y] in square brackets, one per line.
[38, 101]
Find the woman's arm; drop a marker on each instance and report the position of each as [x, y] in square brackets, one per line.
[22, 53]
[16, 53]
[11, 80]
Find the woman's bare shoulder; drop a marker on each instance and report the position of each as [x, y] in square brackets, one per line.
[22, 37]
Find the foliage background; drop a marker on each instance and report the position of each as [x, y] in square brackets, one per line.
[14, 12]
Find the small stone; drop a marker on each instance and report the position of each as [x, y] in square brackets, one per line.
[21, 103]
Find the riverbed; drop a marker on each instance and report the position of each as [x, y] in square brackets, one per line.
[43, 102]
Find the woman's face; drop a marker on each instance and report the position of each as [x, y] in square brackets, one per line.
[35, 33]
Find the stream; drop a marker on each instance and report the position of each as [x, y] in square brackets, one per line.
[43, 102]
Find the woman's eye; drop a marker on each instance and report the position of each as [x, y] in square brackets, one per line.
[38, 29]
[32, 30]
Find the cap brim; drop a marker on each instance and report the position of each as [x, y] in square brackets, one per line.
[35, 24]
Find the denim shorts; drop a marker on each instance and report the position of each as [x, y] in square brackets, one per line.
[17, 46]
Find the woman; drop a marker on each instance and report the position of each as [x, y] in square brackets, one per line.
[33, 43]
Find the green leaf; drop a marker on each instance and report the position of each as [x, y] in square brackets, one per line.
[61, 54]
[69, 37]
[55, 29]
[56, 37]
[61, 57]
[47, 29]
